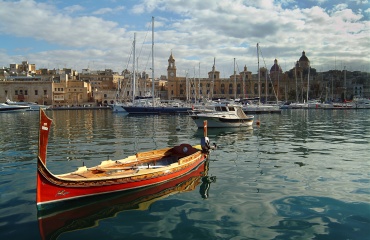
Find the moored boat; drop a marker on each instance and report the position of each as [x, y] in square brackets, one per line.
[13, 108]
[31, 106]
[222, 115]
[362, 103]
[77, 215]
[140, 170]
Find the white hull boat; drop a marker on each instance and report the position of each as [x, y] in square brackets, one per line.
[32, 106]
[221, 116]
[13, 108]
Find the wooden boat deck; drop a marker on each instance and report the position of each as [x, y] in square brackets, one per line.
[139, 164]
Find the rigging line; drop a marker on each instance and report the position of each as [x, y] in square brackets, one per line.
[143, 42]
[266, 72]
[147, 61]
[237, 66]
[129, 58]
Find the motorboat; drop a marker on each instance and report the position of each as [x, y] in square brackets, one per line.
[32, 106]
[362, 103]
[221, 115]
[13, 108]
[143, 169]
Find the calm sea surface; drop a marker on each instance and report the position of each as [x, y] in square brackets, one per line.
[303, 174]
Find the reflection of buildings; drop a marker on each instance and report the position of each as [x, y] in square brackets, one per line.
[22, 82]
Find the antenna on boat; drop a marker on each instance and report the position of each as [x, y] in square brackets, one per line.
[204, 142]
[205, 130]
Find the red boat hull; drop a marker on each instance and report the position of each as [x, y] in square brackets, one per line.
[55, 188]
[48, 192]
[77, 215]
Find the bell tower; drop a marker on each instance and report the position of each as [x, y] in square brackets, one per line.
[171, 69]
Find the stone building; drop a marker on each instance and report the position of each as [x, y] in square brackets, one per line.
[213, 87]
[26, 89]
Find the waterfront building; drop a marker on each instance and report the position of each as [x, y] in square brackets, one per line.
[67, 87]
[212, 87]
[26, 89]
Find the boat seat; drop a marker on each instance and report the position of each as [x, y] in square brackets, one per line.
[81, 170]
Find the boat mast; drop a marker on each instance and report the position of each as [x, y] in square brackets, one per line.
[195, 87]
[134, 73]
[244, 93]
[234, 81]
[259, 77]
[153, 61]
[278, 86]
[266, 86]
[302, 85]
[213, 77]
[308, 82]
[199, 82]
[345, 83]
[187, 87]
[296, 82]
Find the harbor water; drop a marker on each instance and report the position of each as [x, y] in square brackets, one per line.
[301, 174]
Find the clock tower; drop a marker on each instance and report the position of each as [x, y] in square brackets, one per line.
[171, 69]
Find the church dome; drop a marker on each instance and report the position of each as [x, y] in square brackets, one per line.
[303, 57]
[275, 67]
[303, 61]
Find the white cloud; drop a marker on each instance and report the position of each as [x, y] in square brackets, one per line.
[102, 11]
[196, 31]
[74, 8]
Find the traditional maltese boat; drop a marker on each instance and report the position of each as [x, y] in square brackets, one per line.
[86, 213]
[140, 170]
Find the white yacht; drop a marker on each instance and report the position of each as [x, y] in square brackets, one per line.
[222, 115]
[31, 106]
[13, 108]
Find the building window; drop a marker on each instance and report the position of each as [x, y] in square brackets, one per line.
[16, 92]
[6, 92]
[25, 92]
[20, 92]
[45, 92]
[230, 89]
[255, 88]
[55, 89]
[36, 92]
[270, 88]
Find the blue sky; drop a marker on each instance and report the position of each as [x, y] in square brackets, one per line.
[99, 34]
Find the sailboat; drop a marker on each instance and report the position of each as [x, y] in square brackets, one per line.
[154, 107]
[118, 107]
[251, 105]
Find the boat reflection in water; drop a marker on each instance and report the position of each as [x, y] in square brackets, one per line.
[226, 136]
[84, 213]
